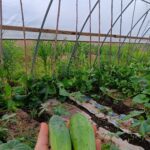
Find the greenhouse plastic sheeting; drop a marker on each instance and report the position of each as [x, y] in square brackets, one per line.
[34, 12]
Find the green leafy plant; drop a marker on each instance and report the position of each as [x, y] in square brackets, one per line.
[78, 96]
[109, 146]
[11, 55]
[7, 99]
[44, 53]
[60, 110]
[141, 99]
[14, 144]
[3, 133]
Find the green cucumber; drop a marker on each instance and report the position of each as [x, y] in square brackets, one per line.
[82, 133]
[59, 136]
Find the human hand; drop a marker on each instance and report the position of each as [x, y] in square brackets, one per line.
[43, 144]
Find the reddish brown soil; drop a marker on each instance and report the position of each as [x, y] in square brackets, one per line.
[22, 125]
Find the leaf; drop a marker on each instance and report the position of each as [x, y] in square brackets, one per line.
[63, 92]
[147, 105]
[109, 146]
[8, 117]
[60, 110]
[14, 145]
[78, 96]
[3, 133]
[136, 123]
[141, 99]
[146, 91]
[132, 114]
[104, 90]
[114, 147]
[8, 90]
[20, 97]
[144, 128]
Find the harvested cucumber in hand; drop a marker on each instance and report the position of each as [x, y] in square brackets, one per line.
[82, 133]
[59, 136]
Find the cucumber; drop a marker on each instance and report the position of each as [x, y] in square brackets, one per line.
[59, 136]
[82, 133]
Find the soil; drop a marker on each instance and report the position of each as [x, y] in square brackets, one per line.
[118, 107]
[21, 127]
[131, 138]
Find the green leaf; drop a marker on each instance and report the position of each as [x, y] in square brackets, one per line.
[146, 91]
[78, 96]
[63, 92]
[141, 99]
[60, 110]
[109, 146]
[14, 145]
[3, 133]
[132, 114]
[8, 90]
[20, 97]
[8, 117]
[147, 105]
[144, 128]
[136, 123]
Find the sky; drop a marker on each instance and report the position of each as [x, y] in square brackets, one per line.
[34, 12]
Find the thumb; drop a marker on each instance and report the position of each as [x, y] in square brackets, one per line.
[42, 142]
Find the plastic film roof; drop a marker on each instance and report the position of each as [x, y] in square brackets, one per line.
[34, 12]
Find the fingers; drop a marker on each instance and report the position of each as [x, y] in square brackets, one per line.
[42, 142]
[95, 129]
[98, 144]
[68, 123]
[98, 141]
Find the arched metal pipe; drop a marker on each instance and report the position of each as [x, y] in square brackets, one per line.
[141, 26]
[76, 43]
[110, 29]
[145, 1]
[118, 53]
[39, 36]
[142, 37]
[132, 19]
[135, 26]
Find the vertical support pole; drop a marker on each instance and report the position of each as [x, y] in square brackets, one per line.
[128, 54]
[99, 30]
[57, 26]
[24, 37]
[132, 20]
[110, 53]
[77, 19]
[90, 29]
[1, 33]
[120, 33]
